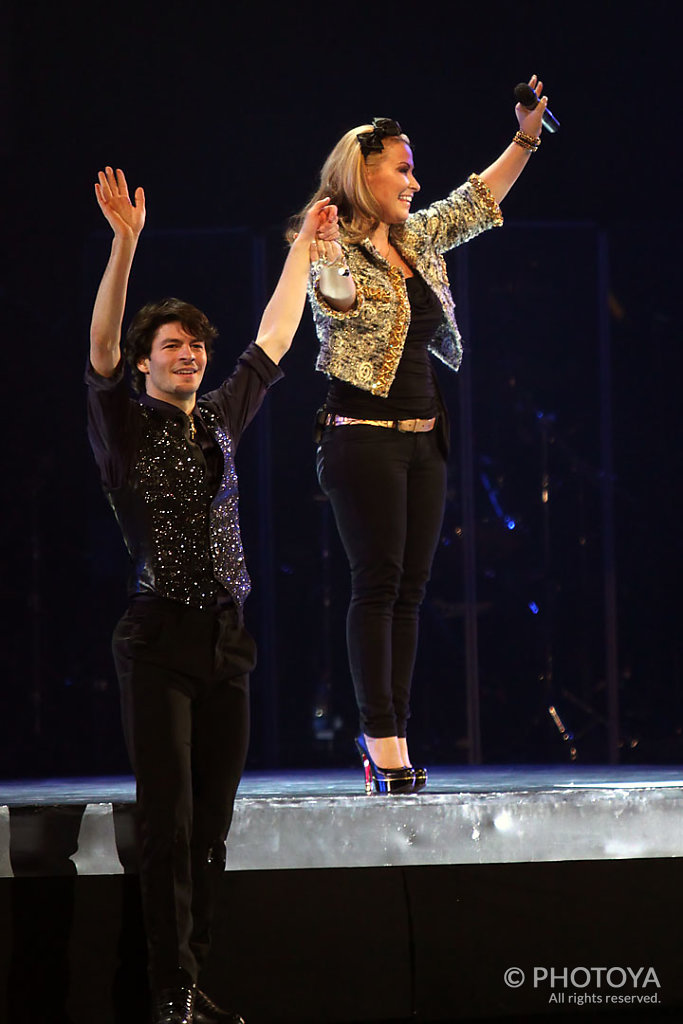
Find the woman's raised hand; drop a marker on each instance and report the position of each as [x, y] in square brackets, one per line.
[126, 218]
[327, 237]
[321, 230]
[530, 121]
[328, 227]
[325, 253]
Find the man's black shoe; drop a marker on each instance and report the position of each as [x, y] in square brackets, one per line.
[206, 1011]
[174, 1006]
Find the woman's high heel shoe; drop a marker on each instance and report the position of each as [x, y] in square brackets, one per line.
[384, 780]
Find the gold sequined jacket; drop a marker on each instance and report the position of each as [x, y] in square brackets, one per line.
[363, 346]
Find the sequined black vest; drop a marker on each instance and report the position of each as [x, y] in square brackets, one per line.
[183, 539]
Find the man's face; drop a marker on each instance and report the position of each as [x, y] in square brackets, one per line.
[175, 366]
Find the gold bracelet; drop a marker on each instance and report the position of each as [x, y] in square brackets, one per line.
[532, 141]
[527, 141]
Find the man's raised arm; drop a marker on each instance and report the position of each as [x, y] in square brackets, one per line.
[126, 219]
[282, 315]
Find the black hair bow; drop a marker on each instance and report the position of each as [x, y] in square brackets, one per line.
[382, 128]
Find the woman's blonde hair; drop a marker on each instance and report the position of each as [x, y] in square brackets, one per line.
[342, 178]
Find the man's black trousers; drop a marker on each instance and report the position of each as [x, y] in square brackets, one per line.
[184, 678]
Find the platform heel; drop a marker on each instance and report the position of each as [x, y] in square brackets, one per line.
[384, 780]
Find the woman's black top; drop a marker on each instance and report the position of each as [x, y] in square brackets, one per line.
[412, 394]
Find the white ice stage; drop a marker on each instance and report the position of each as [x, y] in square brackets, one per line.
[341, 907]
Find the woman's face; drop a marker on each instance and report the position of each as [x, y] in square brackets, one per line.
[391, 180]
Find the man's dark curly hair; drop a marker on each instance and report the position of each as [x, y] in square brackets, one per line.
[148, 320]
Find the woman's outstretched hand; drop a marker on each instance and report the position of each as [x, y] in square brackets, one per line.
[126, 218]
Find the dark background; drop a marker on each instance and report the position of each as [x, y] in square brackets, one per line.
[224, 113]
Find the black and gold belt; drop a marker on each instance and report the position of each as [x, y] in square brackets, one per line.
[416, 426]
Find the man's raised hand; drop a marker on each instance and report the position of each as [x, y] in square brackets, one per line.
[126, 218]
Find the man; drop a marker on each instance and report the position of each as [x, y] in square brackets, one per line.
[182, 653]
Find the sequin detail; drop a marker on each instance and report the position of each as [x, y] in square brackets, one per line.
[226, 540]
[399, 330]
[373, 333]
[488, 198]
[183, 540]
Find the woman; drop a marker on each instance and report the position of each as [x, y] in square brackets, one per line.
[381, 301]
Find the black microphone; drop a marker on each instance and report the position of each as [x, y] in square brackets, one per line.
[525, 95]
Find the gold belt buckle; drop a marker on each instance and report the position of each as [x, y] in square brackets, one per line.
[415, 426]
[407, 426]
